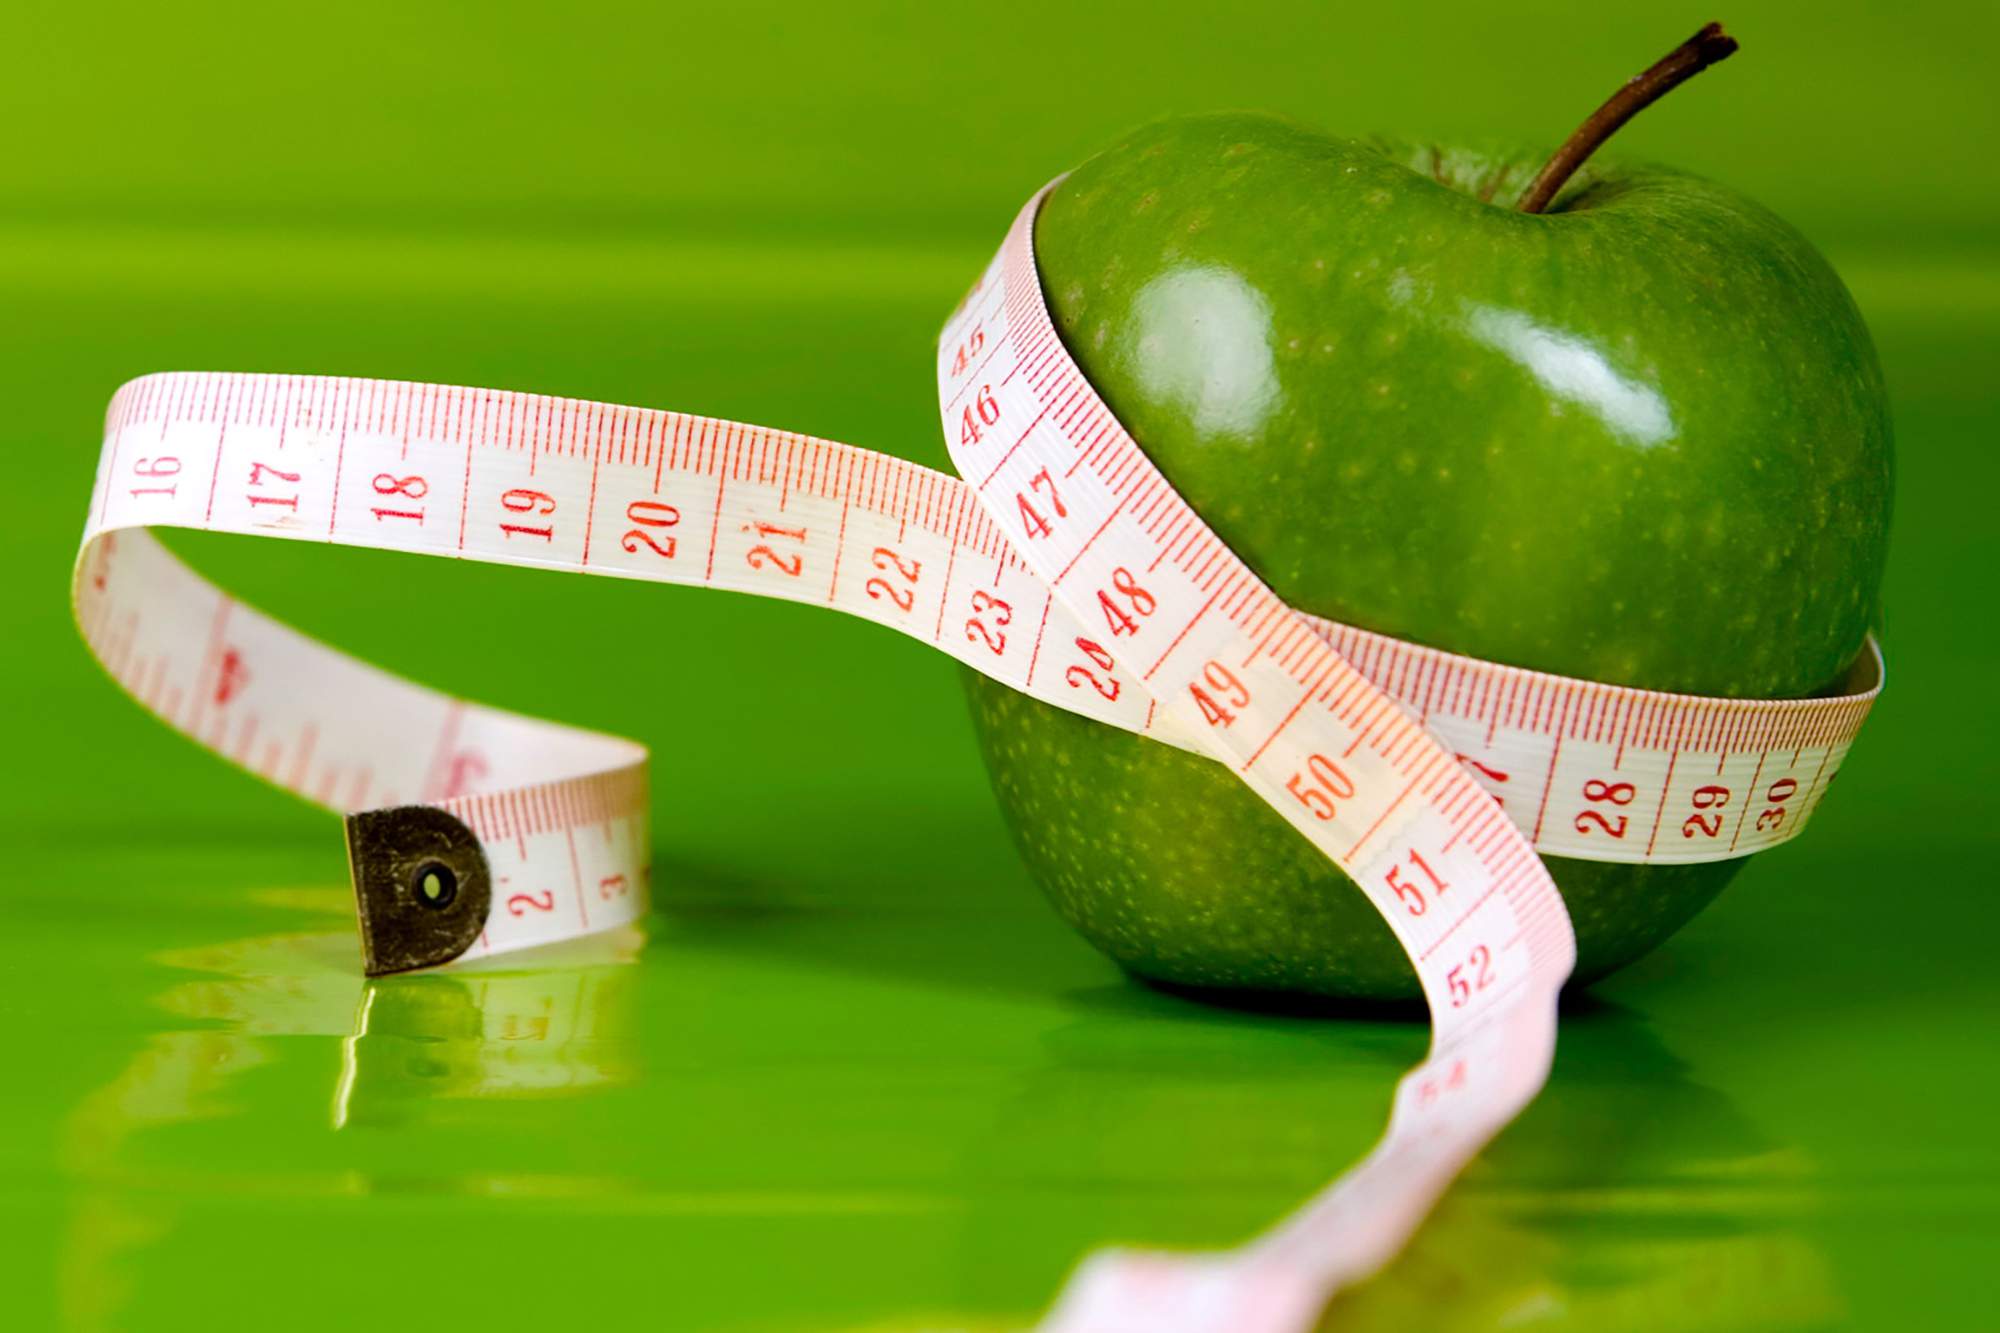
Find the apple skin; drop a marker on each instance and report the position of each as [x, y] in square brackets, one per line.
[1640, 438]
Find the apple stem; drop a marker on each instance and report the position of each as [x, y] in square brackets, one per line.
[1679, 65]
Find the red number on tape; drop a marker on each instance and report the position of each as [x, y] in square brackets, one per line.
[650, 514]
[986, 606]
[1319, 785]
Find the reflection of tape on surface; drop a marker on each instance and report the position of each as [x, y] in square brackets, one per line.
[1064, 565]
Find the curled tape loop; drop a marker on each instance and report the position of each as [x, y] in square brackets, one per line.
[1063, 565]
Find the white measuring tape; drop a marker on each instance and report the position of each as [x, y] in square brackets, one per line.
[1063, 565]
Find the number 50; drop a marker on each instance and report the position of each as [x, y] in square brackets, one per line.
[1319, 785]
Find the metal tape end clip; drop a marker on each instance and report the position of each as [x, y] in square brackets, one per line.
[421, 886]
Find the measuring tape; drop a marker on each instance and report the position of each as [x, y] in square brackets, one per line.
[1063, 564]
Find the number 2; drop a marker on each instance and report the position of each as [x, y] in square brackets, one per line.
[1589, 817]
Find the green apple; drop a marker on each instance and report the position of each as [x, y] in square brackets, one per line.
[1640, 437]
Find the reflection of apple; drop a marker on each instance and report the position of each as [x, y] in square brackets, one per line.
[1640, 437]
[1617, 1204]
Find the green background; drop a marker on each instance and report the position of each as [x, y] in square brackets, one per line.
[861, 1077]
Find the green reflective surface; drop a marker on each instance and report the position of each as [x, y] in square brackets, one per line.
[859, 1076]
